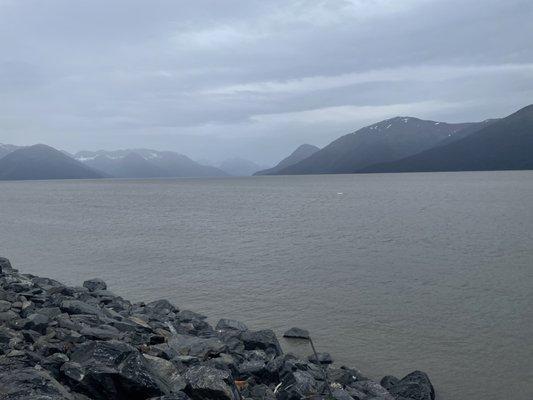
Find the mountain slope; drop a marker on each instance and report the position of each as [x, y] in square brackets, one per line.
[385, 141]
[301, 153]
[5, 149]
[506, 144]
[43, 162]
[240, 167]
[144, 163]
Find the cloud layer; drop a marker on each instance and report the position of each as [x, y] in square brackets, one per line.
[251, 78]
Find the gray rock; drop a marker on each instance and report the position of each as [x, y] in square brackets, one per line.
[231, 325]
[166, 373]
[4, 305]
[298, 385]
[208, 383]
[95, 284]
[30, 383]
[296, 333]
[79, 307]
[389, 381]
[262, 340]
[161, 307]
[416, 386]
[5, 265]
[187, 345]
[8, 316]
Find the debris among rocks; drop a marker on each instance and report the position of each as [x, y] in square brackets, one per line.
[85, 343]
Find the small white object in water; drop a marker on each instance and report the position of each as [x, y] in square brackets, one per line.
[340, 193]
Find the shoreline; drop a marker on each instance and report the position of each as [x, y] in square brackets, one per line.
[82, 343]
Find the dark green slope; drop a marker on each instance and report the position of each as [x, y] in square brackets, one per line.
[385, 141]
[506, 144]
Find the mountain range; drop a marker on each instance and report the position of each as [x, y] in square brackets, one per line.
[43, 162]
[400, 144]
[145, 163]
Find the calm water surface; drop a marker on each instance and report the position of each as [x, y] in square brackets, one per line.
[389, 272]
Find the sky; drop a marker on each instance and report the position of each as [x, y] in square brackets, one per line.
[216, 79]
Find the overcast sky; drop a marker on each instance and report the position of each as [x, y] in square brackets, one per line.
[252, 78]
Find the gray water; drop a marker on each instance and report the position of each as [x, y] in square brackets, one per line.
[390, 273]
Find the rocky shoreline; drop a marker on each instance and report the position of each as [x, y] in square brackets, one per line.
[80, 343]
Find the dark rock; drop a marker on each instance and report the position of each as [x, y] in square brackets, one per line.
[161, 307]
[4, 305]
[371, 389]
[5, 265]
[389, 381]
[208, 383]
[95, 284]
[196, 346]
[188, 316]
[166, 373]
[31, 383]
[231, 325]
[298, 385]
[341, 394]
[260, 392]
[35, 322]
[416, 386]
[323, 358]
[173, 396]
[79, 307]
[296, 333]
[104, 332]
[8, 316]
[262, 340]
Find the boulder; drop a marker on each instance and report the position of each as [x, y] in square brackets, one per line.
[31, 383]
[230, 325]
[95, 284]
[208, 383]
[389, 381]
[204, 348]
[4, 305]
[160, 307]
[296, 333]
[262, 340]
[5, 265]
[416, 386]
[74, 307]
[298, 385]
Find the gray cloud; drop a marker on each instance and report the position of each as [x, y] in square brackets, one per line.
[252, 78]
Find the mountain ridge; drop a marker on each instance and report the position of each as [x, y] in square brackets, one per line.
[301, 153]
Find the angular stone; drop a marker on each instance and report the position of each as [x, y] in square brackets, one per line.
[296, 333]
[262, 340]
[95, 284]
[297, 385]
[208, 383]
[415, 386]
[389, 381]
[231, 324]
[30, 383]
[79, 307]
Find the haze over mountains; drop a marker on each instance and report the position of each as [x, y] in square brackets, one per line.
[400, 144]
[145, 163]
